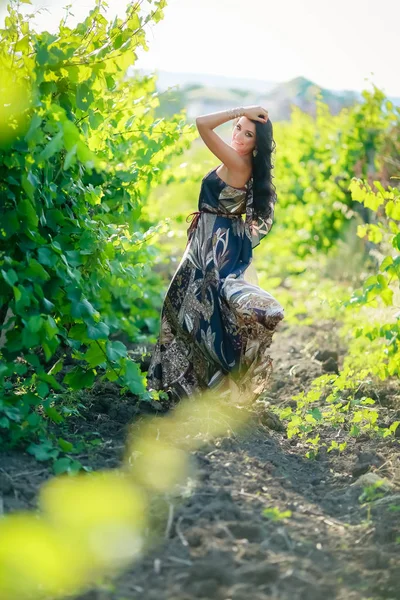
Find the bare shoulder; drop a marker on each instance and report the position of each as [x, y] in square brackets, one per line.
[236, 177]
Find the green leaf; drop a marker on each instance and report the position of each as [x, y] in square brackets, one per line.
[4, 369]
[66, 465]
[51, 380]
[27, 213]
[10, 223]
[375, 234]
[65, 445]
[47, 305]
[34, 419]
[43, 451]
[53, 414]
[29, 183]
[115, 350]
[50, 327]
[33, 360]
[56, 368]
[10, 276]
[36, 271]
[274, 514]
[387, 296]
[78, 379]
[35, 323]
[69, 158]
[52, 147]
[29, 339]
[43, 389]
[71, 135]
[393, 210]
[316, 413]
[19, 368]
[78, 332]
[133, 378]
[98, 331]
[12, 413]
[385, 263]
[118, 41]
[372, 201]
[83, 309]
[4, 422]
[95, 355]
[84, 96]
[47, 257]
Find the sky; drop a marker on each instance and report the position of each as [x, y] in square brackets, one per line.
[346, 44]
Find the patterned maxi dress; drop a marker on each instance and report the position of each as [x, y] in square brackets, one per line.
[215, 323]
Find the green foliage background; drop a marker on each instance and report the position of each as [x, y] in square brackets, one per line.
[76, 166]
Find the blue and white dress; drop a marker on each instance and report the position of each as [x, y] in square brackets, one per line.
[214, 322]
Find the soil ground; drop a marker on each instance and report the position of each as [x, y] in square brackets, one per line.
[218, 544]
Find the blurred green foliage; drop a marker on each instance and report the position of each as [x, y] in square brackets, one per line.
[80, 151]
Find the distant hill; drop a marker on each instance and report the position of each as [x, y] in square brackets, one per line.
[166, 79]
[302, 92]
[203, 93]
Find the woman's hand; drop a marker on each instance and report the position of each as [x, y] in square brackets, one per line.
[256, 113]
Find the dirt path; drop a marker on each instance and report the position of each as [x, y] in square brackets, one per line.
[218, 544]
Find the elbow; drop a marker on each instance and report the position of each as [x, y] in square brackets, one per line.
[200, 127]
[199, 122]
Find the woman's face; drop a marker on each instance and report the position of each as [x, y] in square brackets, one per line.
[244, 136]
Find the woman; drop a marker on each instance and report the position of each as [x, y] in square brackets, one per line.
[216, 325]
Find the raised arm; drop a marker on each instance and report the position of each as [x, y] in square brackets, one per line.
[226, 154]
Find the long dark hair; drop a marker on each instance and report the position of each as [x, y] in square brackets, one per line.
[264, 191]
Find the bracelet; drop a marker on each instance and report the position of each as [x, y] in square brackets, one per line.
[234, 113]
